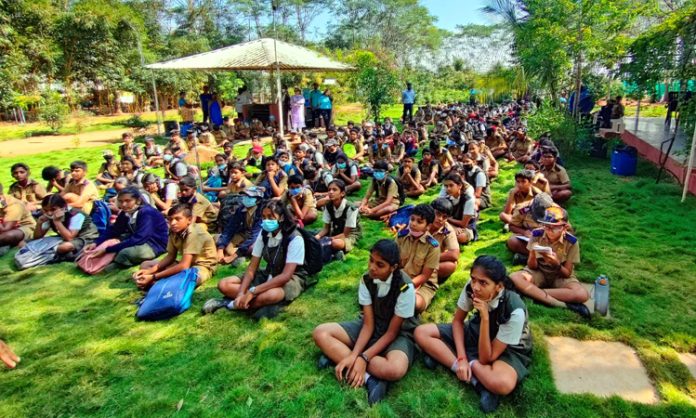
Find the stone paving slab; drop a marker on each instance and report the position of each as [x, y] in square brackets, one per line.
[600, 368]
[689, 361]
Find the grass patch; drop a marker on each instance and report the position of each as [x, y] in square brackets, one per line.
[84, 354]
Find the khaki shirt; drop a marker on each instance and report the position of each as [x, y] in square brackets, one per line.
[15, 211]
[195, 240]
[419, 253]
[384, 192]
[208, 139]
[519, 199]
[556, 175]
[205, 210]
[83, 188]
[495, 141]
[447, 238]
[567, 248]
[233, 188]
[220, 136]
[32, 192]
[416, 177]
[307, 199]
[519, 149]
[383, 153]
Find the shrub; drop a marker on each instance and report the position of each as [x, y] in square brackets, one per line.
[54, 112]
[137, 122]
[568, 135]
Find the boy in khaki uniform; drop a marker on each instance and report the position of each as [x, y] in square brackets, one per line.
[203, 210]
[446, 237]
[191, 240]
[410, 177]
[420, 255]
[556, 176]
[79, 192]
[520, 147]
[549, 276]
[519, 196]
[386, 194]
[25, 188]
[16, 223]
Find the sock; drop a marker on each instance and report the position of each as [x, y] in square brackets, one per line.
[230, 305]
[367, 376]
[454, 366]
[473, 380]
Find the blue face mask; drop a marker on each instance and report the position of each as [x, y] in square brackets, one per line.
[167, 157]
[341, 166]
[270, 225]
[248, 201]
[379, 175]
[222, 167]
[295, 191]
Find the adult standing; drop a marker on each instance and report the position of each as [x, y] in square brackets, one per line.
[314, 99]
[205, 99]
[215, 110]
[325, 108]
[297, 111]
[408, 98]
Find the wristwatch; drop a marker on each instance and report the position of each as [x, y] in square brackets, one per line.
[252, 289]
[364, 357]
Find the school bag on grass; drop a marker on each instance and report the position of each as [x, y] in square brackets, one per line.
[169, 297]
[96, 265]
[37, 253]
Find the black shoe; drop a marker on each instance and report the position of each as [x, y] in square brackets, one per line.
[376, 390]
[267, 312]
[212, 305]
[580, 309]
[519, 259]
[429, 362]
[324, 362]
[488, 401]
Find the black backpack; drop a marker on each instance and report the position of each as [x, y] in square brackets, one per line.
[313, 263]
[399, 186]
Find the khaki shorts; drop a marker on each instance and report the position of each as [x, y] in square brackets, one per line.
[547, 281]
[349, 242]
[403, 342]
[203, 275]
[28, 232]
[292, 289]
[427, 292]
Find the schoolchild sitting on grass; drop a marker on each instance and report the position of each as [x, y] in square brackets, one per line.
[446, 236]
[300, 200]
[385, 192]
[140, 228]
[17, 225]
[341, 220]
[410, 177]
[378, 348]
[80, 192]
[519, 196]
[188, 239]
[283, 279]
[420, 254]
[492, 349]
[549, 276]
[241, 229]
[73, 225]
[463, 217]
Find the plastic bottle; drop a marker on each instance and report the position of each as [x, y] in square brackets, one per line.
[601, 294]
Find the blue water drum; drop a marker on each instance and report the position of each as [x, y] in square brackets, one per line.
[624, 161]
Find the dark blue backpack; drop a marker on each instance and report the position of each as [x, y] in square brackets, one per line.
[100, 215]
[169, 297]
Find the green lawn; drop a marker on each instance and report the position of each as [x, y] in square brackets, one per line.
[84, 354]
